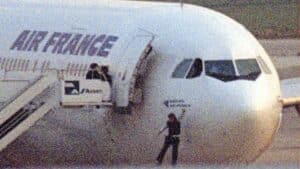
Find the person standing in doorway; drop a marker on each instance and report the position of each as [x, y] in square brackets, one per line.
[106, 73]
[171, 139]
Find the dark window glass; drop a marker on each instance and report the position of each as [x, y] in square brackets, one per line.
[248, 69]
[263, 65]
[222, 70]
[182, 68]
[195, 70]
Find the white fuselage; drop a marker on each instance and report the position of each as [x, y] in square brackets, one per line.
[225, 122]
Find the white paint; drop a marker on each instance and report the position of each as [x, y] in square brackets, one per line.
[226, 122]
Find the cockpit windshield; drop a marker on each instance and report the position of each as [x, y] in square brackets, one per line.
[224, 70]
[247, 69]
[221, 69]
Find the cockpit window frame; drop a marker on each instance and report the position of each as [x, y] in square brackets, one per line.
[251, 76]
[263, 65]
[176, 76]
[236, 70]
[191, 66]
[224, 78]
[188, 71]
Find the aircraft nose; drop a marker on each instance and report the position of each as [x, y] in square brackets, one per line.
[239, 124]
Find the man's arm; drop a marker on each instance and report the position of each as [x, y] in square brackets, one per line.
[162, 129]
[181, 115]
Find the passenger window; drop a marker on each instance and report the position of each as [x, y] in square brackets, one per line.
[43, 66]
[3, 63]
[18, 64]
[15, 64]
[10, 68]
[248, 69]
[196, 69]
[263, 65]
[182, 68]
[221, 69]
[23, 64]
[34, 65]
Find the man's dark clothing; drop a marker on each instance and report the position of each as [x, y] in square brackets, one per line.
[93, 74]
[171, 139]
[174, 128]
[109, 79]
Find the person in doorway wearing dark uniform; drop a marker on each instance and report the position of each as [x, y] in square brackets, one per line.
[93, 72]
[171, 139]
[105, 71]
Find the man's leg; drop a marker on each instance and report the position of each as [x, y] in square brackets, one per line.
[163, 151]
[175, 151]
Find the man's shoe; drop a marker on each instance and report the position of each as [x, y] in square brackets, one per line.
[158, 163]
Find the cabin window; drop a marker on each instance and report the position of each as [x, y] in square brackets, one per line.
[3, 64]
[43, 66]
[263, 65]
[10, 68]
[48, 65]
[221, 69]
[35, 65]
[22, 64]
[27, 65]
[182, 68]
[248, 69]
[18, 64]
[77, 70]
[7, 64]
[15, 64]
[71, 69]
[80, 69]
[85, 69]
[196, 69]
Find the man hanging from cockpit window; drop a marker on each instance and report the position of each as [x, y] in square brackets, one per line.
[171, 139]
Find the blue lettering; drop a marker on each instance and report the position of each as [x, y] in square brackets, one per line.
[108, 44]
[18, 44]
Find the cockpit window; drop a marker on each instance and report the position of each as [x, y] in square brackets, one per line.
[182, 68]
[263, 65]
[248, 69]
[195, 70]
[222, 70]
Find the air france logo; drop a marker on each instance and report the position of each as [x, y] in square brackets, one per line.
[72, 88]
[65, 43]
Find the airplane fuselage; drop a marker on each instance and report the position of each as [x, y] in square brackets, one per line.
[226, 121]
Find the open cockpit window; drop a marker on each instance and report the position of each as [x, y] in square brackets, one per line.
[182, 68]
[189, 69]
[220, 69]
[248, 69]
[196, 69]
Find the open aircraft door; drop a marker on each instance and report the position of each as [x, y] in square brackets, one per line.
[131, 66]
